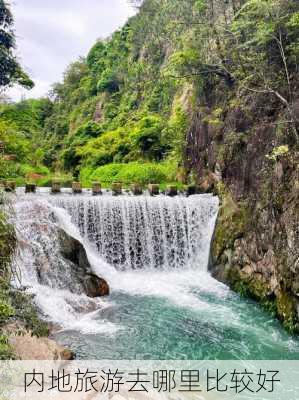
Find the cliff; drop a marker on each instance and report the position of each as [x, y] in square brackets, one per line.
[255, 172]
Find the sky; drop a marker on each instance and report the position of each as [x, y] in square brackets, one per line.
[51, 34]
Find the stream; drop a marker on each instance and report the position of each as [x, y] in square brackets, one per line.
[154, 253]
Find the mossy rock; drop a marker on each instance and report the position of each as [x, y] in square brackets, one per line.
[231, 223]
[282, 306]
[287, 311]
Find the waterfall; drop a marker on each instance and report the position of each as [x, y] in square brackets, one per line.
[126, 238]
[145, 232]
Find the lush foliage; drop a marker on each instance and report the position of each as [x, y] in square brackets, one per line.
[132, 98]
[7, 248]
[10, 70]
[21, 128]
[142, 173]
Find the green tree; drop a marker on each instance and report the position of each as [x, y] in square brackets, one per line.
[10, 69]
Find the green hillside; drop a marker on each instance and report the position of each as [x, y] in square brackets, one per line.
[132, 99]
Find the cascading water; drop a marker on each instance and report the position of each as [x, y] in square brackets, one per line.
[43, 270]
[144, 232]
[154, 254]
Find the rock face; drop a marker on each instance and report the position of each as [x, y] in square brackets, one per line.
[73, 251]
[255, 172]
[27, 346]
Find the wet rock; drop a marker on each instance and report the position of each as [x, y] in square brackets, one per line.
[191, 190]
[67, 354]
[74, 251]
[96, 287]
[81, 271]
[10, 186]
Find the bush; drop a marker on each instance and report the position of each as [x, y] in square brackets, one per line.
[27, 170]
[16, 142]
[109, 82]
[103, 149]
[6, 311]
[146, 138]
[5, 349]
[142, 173]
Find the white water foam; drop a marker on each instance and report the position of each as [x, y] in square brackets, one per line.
[142, 246]
[134, 233]
[38, 254]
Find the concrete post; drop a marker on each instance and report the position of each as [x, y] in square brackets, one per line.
[153, 189]
[76, 187]
[172, 191]
[116, 188]
[136, 189]
[191, 189]
[96, 188]
[30, 188]
[10, 186]
[56, 187]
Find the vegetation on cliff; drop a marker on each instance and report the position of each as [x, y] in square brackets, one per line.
[132, 98]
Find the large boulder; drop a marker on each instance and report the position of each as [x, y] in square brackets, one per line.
[95, 286]
[28, 347]
[74, 252]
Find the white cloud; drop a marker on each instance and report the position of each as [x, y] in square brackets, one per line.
[53, 33]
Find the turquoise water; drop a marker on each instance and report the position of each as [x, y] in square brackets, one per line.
[195, 318]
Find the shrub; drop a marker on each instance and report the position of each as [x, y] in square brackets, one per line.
[142, 173]
[147, 138]
[278, 152]
[109, 81]
[103, 149]
[5, 349]
[6, 311]
[26, 170]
